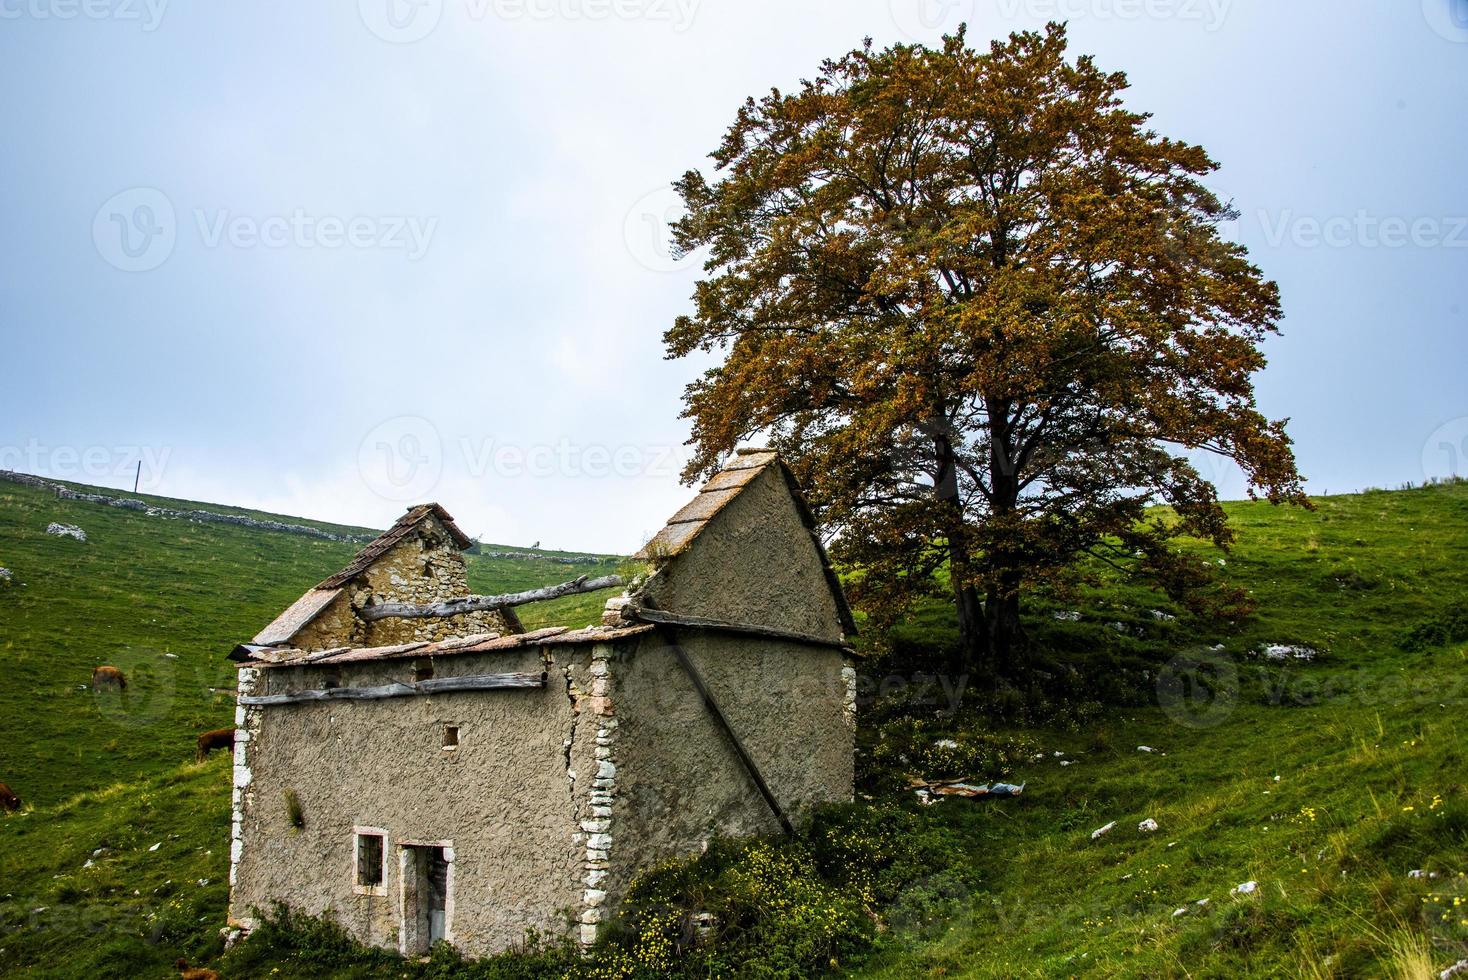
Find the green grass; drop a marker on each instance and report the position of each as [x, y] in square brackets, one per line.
[165, 601]
[1368, 743]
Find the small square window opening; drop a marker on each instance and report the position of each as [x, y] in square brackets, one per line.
[450, 737]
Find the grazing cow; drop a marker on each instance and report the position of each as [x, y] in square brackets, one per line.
[8, 800]
[194, 972]
[220, 738]
[108, 677]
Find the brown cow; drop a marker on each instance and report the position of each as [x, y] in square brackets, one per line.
[187, 972]
[8, 800]
[220, 738]
[108, 677]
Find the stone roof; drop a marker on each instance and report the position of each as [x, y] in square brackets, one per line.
[255, 655]
[678, 534]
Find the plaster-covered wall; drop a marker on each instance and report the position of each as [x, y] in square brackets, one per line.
[679, 780]
[754, 562]
[511, 798]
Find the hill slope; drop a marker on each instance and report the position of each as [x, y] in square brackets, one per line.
[1325, 781]
[164, 600]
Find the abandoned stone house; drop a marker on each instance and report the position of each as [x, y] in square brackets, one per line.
[421, 773]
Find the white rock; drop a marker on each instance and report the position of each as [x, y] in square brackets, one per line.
[1201, 901]
[156, 846]
[5, 575]
[1284, 651]
[1147, 826]
[1145, 748]
[1162, 617]
[1247, 888]
[1067, 762]
[1457, 969]
[66, 531]
[1068, 616]
[1100, 832]
[1181, 911]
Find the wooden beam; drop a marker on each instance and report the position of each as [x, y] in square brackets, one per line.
[437, 685]
[751, 629]
[483, 603]
[723, 723]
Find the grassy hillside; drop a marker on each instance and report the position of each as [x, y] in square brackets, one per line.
[1324, 781]
[164, 600]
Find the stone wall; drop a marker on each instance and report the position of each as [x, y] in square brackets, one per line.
[425, 566]
[151, 510]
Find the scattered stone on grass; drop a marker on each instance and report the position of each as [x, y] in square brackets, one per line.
[5, 575]
[1459, 968]
[1100, 832]
[1247, 888]
[1285, 651]
[1068, 616]
[66, 531]
[1145, 748]
[1147, 826]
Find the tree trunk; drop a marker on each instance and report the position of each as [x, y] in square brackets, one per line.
[1003, 562]
[973, 634]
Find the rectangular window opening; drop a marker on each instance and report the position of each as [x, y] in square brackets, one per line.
[450, 737]
[370, 860]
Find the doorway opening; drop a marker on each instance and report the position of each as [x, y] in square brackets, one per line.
[427, 896]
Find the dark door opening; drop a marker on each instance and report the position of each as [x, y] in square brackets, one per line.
[425, 897]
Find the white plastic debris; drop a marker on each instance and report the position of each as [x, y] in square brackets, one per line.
[1100, 832]
[1147, 826]
[1247, 888]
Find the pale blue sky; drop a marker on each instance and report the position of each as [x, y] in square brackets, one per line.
[416, 236]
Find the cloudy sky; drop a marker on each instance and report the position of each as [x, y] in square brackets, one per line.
[330, 258]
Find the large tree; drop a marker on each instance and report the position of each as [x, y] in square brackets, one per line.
[984, 310]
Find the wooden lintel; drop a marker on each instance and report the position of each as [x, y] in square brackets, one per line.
[437, 685]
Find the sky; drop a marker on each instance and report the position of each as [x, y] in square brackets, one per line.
[332, 258]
